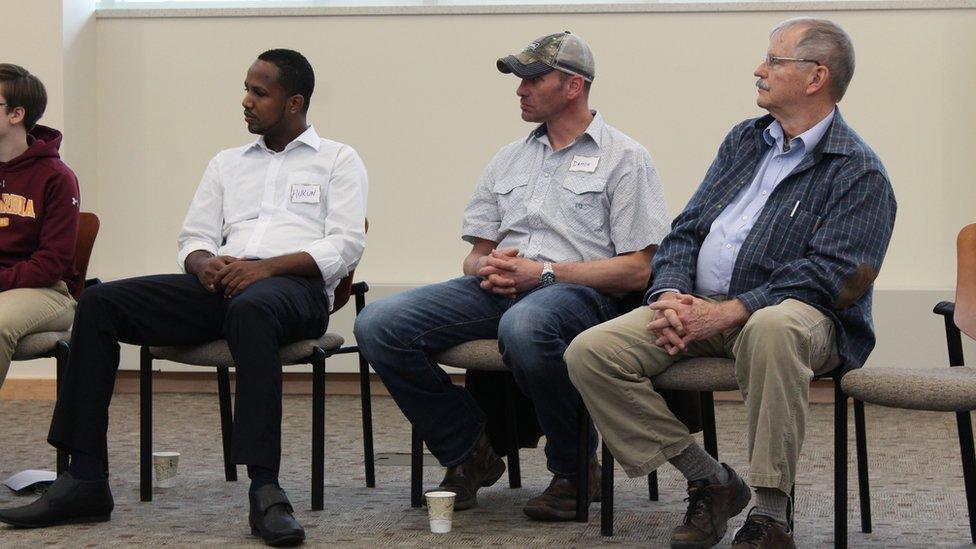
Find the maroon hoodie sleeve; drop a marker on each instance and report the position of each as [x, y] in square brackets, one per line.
[55, 253]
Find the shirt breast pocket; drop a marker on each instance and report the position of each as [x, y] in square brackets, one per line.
[790, 235]
[510, 196]
[583, 202]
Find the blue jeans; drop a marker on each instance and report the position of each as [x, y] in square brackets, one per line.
[397, 335]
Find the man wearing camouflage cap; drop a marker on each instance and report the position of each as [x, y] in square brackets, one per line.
[563, 223]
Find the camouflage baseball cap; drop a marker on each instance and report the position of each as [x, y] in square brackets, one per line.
[562, 51]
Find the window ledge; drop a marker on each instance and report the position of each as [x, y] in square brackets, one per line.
[471, 8]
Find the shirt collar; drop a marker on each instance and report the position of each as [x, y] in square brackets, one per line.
[594, 130]
[308, 137]
[773, 134]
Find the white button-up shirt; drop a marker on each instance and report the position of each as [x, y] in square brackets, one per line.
[254, 203]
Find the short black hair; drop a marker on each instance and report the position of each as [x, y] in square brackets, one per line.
[23, 89]
[295, 73]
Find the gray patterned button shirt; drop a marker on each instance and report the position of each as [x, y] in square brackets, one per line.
[598, 198]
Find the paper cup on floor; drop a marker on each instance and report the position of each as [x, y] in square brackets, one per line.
[165, 465]
[440, 510]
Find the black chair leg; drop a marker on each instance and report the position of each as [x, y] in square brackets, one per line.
[61, 353]
[583, 465]
[840, 466]
[145, 425]
[965, 427]
[652, 493]
[863, 485]
[318, 429]
[708, 423]
[367, 407]
[416, 468]
[606, 496]
[511, 418]
[226, 422]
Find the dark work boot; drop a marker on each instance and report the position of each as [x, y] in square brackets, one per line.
[710, 506]
[558, 501]
[483, 468]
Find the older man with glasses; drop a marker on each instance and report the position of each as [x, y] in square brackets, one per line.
[771, 264]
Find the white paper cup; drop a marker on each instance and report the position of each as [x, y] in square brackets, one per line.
[440, 511]
[165, 465]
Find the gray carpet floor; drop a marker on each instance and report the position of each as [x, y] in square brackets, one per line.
[919, 500]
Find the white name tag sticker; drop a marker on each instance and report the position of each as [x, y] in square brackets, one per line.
[306, 193]
[584, 164]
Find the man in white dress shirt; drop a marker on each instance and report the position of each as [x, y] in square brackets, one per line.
[273, 227]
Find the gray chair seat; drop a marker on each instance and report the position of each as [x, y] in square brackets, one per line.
[698, 374]
[217, 353]
[937, 389]
[39, 345]
[480, 354]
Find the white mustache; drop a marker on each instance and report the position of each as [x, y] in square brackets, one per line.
[761, 84]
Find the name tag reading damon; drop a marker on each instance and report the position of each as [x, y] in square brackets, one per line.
[302, 193]
[584, 164]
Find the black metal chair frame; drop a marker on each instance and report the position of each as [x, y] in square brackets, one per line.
[840, 463]
[317, 360]
[964, 423]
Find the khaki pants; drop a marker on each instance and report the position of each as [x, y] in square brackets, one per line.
[27, 310]
[776, 355]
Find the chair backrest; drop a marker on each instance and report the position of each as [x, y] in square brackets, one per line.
[88, 225]
[342, 291]
[965, 313]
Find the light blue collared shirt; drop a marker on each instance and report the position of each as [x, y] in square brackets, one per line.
[716, 258]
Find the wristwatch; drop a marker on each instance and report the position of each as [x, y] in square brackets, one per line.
[548, 277]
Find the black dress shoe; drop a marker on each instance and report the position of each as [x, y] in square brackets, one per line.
[271, 517]
[67, 501]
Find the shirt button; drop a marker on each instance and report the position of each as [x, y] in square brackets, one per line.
[764, 193]
[745, 217]
[547, 174]
[729, 246]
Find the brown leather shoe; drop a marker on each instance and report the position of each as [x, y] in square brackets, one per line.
[710, 506]
[483, 468]
[760, 531]
[558, 501]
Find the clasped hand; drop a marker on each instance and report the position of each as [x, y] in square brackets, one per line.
[231, 275]
[504, 273]
[680, 319]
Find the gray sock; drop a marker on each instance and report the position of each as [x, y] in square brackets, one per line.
[696, 464]
[772, 503]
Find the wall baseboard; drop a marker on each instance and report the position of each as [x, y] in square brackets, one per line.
[295, 383]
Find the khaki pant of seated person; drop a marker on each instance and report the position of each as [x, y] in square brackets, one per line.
[25, 311]
[776, 354]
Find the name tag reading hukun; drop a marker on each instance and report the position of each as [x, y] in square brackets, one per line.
[584, 164]
[306, 194]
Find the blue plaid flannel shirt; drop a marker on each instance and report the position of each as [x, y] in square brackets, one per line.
[826, 251]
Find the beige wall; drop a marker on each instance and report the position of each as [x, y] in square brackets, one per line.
[420, 99]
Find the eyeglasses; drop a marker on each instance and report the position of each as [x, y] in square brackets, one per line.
[773, 60]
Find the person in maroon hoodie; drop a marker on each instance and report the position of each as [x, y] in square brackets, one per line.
[38, 217]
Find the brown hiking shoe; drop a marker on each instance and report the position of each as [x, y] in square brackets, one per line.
[558, 501]
[483, 468]
[760, 531]
[710, 506]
